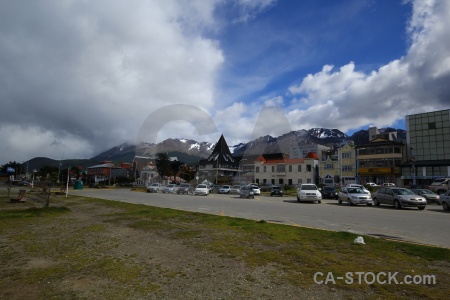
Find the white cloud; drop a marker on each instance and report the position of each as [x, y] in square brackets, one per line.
[348, 99]
[91, 72]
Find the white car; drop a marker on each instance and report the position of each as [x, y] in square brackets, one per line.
[444, 200]
[371, 184]
[256, 189]
[225, 189]
[353, 196]
[201, 189]
[309, 192]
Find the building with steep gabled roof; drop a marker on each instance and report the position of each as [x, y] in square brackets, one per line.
[220, 167]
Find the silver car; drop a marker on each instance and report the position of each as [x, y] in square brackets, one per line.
[354, 195]
[431, 196]
[399, 197]
[247, 192]
[444, 200]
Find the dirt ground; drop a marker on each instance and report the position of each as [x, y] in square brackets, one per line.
[86, 254]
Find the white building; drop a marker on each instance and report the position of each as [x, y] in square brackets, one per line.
[280, 169]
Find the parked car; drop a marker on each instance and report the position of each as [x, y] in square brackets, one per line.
[170, 188]
[371, 184]
[256, 189]
[247, 192]
[185, 188]
[440, 185]
[235, 189]
[358, 186]
[431, 196]
[24, 183]
[353, 196]
[276, 191]
[444, 200]
[399, 197]
[225, 189]
[154, 188]
[201, 189]
[265, 187]
[308, 192]
[328, 192]
[215, 188]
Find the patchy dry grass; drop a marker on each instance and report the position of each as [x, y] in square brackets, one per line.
[89, 248]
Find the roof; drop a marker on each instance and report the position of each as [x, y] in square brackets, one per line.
[221, 154]
[279, 158]
[312, 155]
[103, 166]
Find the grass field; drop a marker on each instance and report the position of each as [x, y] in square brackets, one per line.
[88, 248]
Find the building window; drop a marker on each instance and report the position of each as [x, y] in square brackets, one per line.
[290, 168]
[347, 168]
[346, 155]
[256, 169]
[329, 167]
[299, 181]
[289, 181]
[308, 168]
[273, 169]
[308, 180]
[299, 168]
[281, 168]
[264, 169]
[432, 125]
[280, 181]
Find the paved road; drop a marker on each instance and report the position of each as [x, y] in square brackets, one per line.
[429, 226]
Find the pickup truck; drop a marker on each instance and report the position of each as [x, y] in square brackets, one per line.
[439, 186]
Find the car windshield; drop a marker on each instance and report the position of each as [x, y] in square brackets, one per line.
[226, 187]
[276, 188]
[309, 187]
[201, 186]
[426, 192]
[236, 187]
[329, 189]
[355, 191]
[402, 192]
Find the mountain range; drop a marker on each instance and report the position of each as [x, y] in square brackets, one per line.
[191, 152]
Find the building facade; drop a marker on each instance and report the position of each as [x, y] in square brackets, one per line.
[347, 164]
[280, 169]
[380, 161]
[428, 150]
[220, 167]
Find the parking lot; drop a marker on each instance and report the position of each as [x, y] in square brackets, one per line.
[428, 226]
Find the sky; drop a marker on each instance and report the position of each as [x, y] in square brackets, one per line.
[78, 77]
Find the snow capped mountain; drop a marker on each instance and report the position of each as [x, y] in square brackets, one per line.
[193, 150]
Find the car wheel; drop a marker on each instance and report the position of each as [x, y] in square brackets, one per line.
[298, 199]
[397, 204]
[445, 206]
[369, 204]
[375, 201]
[339, 201]
[320, 201]
[421, 207]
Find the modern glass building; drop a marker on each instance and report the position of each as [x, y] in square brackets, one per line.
[428, 147]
